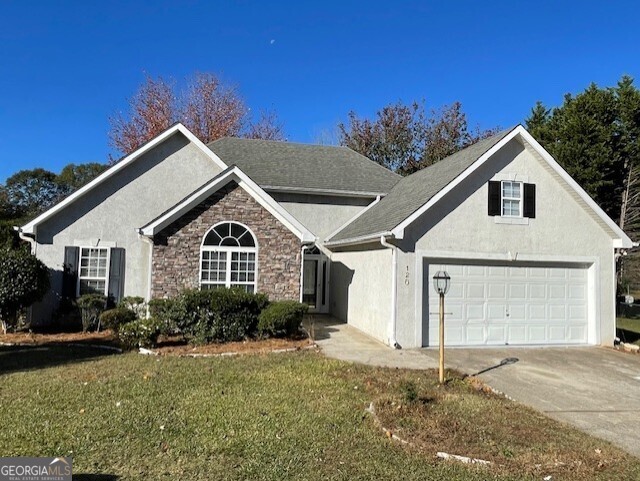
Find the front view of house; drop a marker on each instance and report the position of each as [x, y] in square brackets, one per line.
[530, 255]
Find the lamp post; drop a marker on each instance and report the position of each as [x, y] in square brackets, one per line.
[441, 282]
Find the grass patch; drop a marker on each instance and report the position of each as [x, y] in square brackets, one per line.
[266, 417]
[628, 330]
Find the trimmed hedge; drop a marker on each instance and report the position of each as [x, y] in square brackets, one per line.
[139, 333]
[114, 318]
[91, 306]
[220, 315]
[281, 318]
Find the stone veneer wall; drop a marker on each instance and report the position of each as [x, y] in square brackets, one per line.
[176, 250]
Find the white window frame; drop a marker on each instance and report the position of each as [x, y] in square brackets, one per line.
[520, 199]
[92, 278]
[230, 251]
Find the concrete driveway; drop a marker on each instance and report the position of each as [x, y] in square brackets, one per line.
[595, 389]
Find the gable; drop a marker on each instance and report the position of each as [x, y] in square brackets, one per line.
[460, 221]
[137, 164]
[233, 173]
[381, 220]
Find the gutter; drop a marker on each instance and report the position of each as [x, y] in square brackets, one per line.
[393, 321]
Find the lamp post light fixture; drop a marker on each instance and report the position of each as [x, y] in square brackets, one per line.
[441, 283]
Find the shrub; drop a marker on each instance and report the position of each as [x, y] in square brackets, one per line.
[164, 312]
[23, 281]
[203, 316]
[115, 318]
[281, 318]
[135, 304]
[91, 306]
[139, 333]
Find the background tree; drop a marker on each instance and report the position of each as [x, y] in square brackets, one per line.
[74, 176]
[31, 191]
[211, 110]
[207, 107]
[152, 110]
[267, 127]
[23, 280]
[405, 139]
[595, 136]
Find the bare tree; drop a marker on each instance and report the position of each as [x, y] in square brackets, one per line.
[211, 110]
[207, 107]
[404, 138]
[152, 110]
[267, 127]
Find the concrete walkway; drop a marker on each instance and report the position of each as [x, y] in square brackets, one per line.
[595, 389]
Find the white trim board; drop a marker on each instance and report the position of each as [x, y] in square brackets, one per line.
[231, 174]
[30, 227]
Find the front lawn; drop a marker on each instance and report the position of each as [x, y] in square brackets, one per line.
[279, 416]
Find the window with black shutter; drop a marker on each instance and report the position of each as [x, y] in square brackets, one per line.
[512, 199]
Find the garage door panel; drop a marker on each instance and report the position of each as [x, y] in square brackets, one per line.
[496, 334]
[537, 291]
[517, 334]
[557, 291]
[496, 312]
[511, 304]
[537, 334]
[475, 334]
[475, 290]
[497, 290]
[517, 313]
[475, 312]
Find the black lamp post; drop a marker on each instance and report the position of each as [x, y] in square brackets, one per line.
[441, 283]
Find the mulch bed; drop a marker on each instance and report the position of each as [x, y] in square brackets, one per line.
[169, 346]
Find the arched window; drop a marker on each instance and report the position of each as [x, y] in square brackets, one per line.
[229, 257]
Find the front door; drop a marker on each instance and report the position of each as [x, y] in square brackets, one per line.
[315, 277]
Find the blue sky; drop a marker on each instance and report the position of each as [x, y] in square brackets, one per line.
[67, 66]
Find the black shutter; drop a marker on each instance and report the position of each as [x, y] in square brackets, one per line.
[70, 272]
[494, 198]
[116, 275]
[529, 207]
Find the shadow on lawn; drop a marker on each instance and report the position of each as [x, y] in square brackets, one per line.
[26, 358]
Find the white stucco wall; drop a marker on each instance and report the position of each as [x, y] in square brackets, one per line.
[361, 289]
[459, 227]
[111, 213]
[321, 214]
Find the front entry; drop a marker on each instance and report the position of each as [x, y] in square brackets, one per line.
[315, 278]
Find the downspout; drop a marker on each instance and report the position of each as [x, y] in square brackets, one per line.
[394, 292]
[26, 238]
[32, 241]
[149, 240]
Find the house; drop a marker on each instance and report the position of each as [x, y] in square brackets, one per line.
[530, 255]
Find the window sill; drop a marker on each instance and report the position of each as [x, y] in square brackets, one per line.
[511, 220]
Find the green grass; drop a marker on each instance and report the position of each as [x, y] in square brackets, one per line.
[264, 417]
[628, 329]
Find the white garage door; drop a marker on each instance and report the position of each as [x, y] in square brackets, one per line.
[498, 305]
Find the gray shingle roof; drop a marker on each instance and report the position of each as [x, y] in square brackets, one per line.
[302, 166]
[415, 190]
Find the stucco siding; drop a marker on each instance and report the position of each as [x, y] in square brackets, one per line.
[459, 226]
[361, 290]
[321, 214]
[110, 214]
